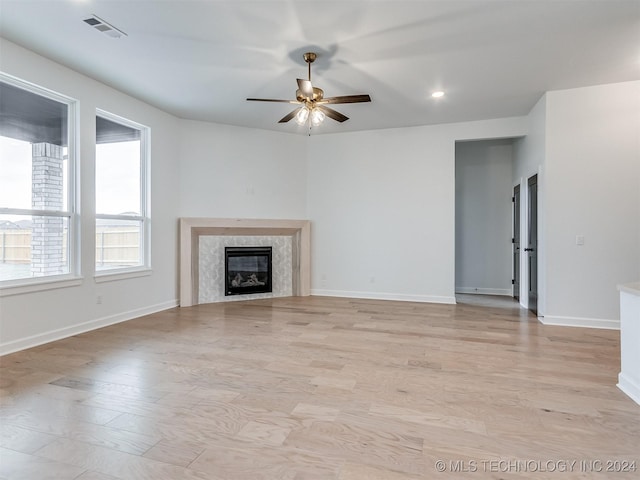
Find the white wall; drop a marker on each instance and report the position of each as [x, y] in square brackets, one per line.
[484, 216]
[235, 172]
[197, 169]
[592, 184]
[382, 209]
[529, 157]
[33, 318]
[381, 202]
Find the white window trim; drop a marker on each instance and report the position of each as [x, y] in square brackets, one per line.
[122, 273]
[20, 286]
[38, 284]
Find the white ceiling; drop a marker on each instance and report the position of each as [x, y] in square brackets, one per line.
[201, 59]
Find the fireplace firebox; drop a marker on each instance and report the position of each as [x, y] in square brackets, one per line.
[247, 270]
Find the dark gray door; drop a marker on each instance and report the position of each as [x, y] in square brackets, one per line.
[532, 243]
[516, 242]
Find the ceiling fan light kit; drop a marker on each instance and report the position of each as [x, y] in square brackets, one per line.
[317, 117]
[313, 104]
[302, 115]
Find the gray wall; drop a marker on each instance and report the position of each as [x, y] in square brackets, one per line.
[592, 186]
[528, 160]
[381, 205]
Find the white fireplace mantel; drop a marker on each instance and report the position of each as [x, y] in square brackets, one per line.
[192, 228]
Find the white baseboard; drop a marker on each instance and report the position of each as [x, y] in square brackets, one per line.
[485, 291]
[629, 387]
[384, 296]
[580, 322]
[42, 338]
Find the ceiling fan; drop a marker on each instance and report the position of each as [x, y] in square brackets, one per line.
[313, 104]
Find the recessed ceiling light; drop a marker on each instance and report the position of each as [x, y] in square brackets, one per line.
[437, 94]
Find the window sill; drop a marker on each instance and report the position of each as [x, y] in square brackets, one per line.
[39, 284]
[120, 274]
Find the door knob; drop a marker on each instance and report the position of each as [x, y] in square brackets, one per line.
[528, 249]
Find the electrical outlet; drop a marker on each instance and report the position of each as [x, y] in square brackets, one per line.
[99, 300]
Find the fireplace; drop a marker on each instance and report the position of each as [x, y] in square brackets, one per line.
[247, 270]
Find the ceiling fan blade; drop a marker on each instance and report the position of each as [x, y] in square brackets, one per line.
[289, 116]
[271, 100]
[305, 87]
[331, 113]
[347, 99]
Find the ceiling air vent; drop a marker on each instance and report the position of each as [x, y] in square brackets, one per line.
[104, 27]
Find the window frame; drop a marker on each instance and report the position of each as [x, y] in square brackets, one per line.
[73, 277]
[144, 218]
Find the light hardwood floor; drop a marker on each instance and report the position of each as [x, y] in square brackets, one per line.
[320, 388]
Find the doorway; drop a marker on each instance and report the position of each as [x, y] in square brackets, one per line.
[483, 188]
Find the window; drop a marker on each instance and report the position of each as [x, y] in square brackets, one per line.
[122, 206]
[38, 214]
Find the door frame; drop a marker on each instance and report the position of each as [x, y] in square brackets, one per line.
[533, 180]
[516, 241]
[524, 232]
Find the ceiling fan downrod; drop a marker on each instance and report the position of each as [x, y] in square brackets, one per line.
[309, 57]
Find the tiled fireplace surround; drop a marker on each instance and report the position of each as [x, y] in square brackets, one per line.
[191, 229]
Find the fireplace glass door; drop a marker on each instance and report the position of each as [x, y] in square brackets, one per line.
[247, 270]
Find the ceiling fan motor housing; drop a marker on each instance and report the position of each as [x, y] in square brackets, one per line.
[318, 94]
